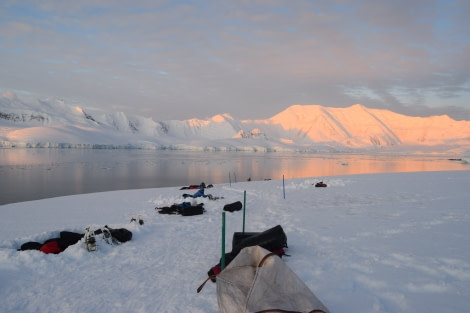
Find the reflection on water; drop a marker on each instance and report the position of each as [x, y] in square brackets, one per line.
[30, 174]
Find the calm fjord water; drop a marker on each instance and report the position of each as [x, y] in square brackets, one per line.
[32, 174]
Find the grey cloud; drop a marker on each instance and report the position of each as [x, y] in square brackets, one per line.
[251, 59]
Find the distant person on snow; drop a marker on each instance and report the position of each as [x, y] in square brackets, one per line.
[199, 193]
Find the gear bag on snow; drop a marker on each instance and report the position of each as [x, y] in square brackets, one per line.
[273, 239]
[231, 207]
[257, 280]
[120, 234]
[184, 209]
[54, 245]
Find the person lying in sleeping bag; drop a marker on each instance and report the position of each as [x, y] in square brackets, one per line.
[199, 193]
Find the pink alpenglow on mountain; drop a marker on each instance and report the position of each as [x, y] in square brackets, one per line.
[315, 128]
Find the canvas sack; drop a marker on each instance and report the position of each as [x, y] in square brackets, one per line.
[259, 281]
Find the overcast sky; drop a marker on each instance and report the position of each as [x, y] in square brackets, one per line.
[251, 59]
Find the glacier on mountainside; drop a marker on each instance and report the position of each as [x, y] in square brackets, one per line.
[54, 123]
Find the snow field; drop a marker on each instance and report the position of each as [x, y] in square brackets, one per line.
[366, 243]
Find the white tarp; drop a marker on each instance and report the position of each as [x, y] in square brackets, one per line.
[245, 286]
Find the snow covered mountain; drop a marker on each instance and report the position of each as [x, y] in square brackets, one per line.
[54, 123]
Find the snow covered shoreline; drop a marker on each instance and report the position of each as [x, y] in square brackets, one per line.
[53, 123]
[366, 243]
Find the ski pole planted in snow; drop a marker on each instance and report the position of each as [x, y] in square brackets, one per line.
[283, 187]
[244, 208]
[222, 263]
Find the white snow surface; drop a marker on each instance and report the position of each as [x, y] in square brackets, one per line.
[366, 243]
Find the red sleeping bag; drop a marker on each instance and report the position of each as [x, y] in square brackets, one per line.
[51, 247]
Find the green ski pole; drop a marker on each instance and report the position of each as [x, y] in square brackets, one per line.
[244, 208]
[222, 263]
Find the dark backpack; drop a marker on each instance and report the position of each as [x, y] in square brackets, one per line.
[168, 210]
[68, 238]
[191, 210]
[120, 234]
[236, 206]
[273, 239]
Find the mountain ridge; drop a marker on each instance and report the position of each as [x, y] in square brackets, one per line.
[54, 123]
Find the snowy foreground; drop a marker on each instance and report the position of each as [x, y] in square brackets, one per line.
[366, 243]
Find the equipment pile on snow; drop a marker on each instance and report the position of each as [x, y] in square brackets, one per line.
[256, 279]
[67, 238]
